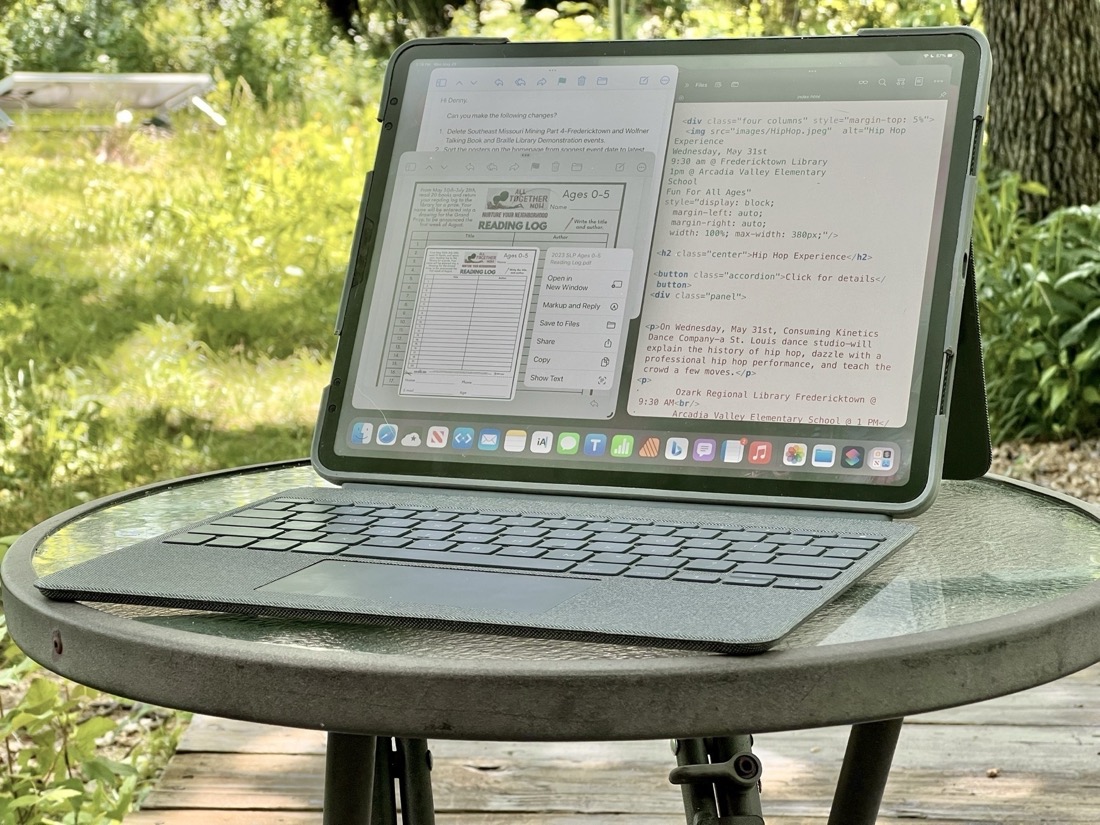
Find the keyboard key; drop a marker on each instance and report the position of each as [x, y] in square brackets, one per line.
[707, 544]
[312, 508]
[516, 541]
[433, 515]
[845, 553]
[474, 547]
[429, 535]
[475, 518]
[245, 521]
[752, 546]
[394, 512]
[568, 555]
[272, 505]
[340, 538]
[522, 552]
[758, 558]
[662, 541]
[272, 544]
[231, 530]
[651, 550]
[230, 541]
[605, 526]
[189, 538]
[375, 530]
[748, 579]
[353, 510]
[520, 521]
[710, 565]
[384, 541]
[320, 548]
[696, 533]
[593, 568]
[461, 559]
[742, 535]
[659, 561]
[649, 572]
[836, 564]
[651, 530]
[436, 524]
[396, 522]
[699, 553]
[566, 544]
[300, 535]
[696, 576]
[483, 529]
[620, 538]
[796, 584]
[304, 524]
[795, 550]
[350, 529]
[571, 535]
[526, 531]
[362, 520]
[562, 524]
[430, 544]
[779, 538]
[615, 558]
[789, 571]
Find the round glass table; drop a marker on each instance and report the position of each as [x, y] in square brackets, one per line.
[996, 593]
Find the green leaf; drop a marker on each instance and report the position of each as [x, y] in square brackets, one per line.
[1074, 333]
[1058, 397]
[1091, 395]
[1033, 187]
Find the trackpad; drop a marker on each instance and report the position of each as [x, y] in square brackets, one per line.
[381, 583]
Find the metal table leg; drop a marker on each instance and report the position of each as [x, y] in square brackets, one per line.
[863, 775]
[720, 779]
[415, 782]
[349, 779]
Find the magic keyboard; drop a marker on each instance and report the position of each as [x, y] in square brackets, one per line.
[795, 559]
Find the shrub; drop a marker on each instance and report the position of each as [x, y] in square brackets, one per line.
[1039, 290]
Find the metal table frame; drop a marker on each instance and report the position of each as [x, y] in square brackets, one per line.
[378, 746]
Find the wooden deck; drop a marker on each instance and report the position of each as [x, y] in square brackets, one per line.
[1029, 758]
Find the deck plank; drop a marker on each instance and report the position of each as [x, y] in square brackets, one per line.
[1043, 746]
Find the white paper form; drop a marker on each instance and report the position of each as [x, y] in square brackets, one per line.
[469, 321]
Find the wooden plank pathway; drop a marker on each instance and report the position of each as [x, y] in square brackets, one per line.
[1029, 758]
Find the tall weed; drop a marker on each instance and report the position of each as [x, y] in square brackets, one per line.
[1039, 290]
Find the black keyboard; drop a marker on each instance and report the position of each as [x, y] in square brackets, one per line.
[747, 557]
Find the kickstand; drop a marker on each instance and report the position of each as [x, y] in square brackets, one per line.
[720, 780]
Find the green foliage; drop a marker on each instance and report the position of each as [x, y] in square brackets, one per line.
[281, 49]
[52, 767]
[1039, 289]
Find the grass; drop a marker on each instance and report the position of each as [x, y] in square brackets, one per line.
[166, 306]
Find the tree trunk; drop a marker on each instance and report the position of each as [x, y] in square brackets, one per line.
[1044, 114]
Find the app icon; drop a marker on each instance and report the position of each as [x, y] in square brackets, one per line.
[515, 441]
[595, 444]
[463, 438]
[411, 440]
[733, 452]
[622, 446]
[361, 432]
[794, 454]
[851, 457]
[760, 452]
[704, 449]
[676, 449]
[542, 441]
[568, 443]
[881, 459]
[651, 447]
[488, 439]
[437, 436]
[387, 435]
[824, 455]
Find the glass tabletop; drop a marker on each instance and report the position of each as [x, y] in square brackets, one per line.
[986, 549]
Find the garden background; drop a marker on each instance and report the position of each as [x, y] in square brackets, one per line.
[167, 296]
